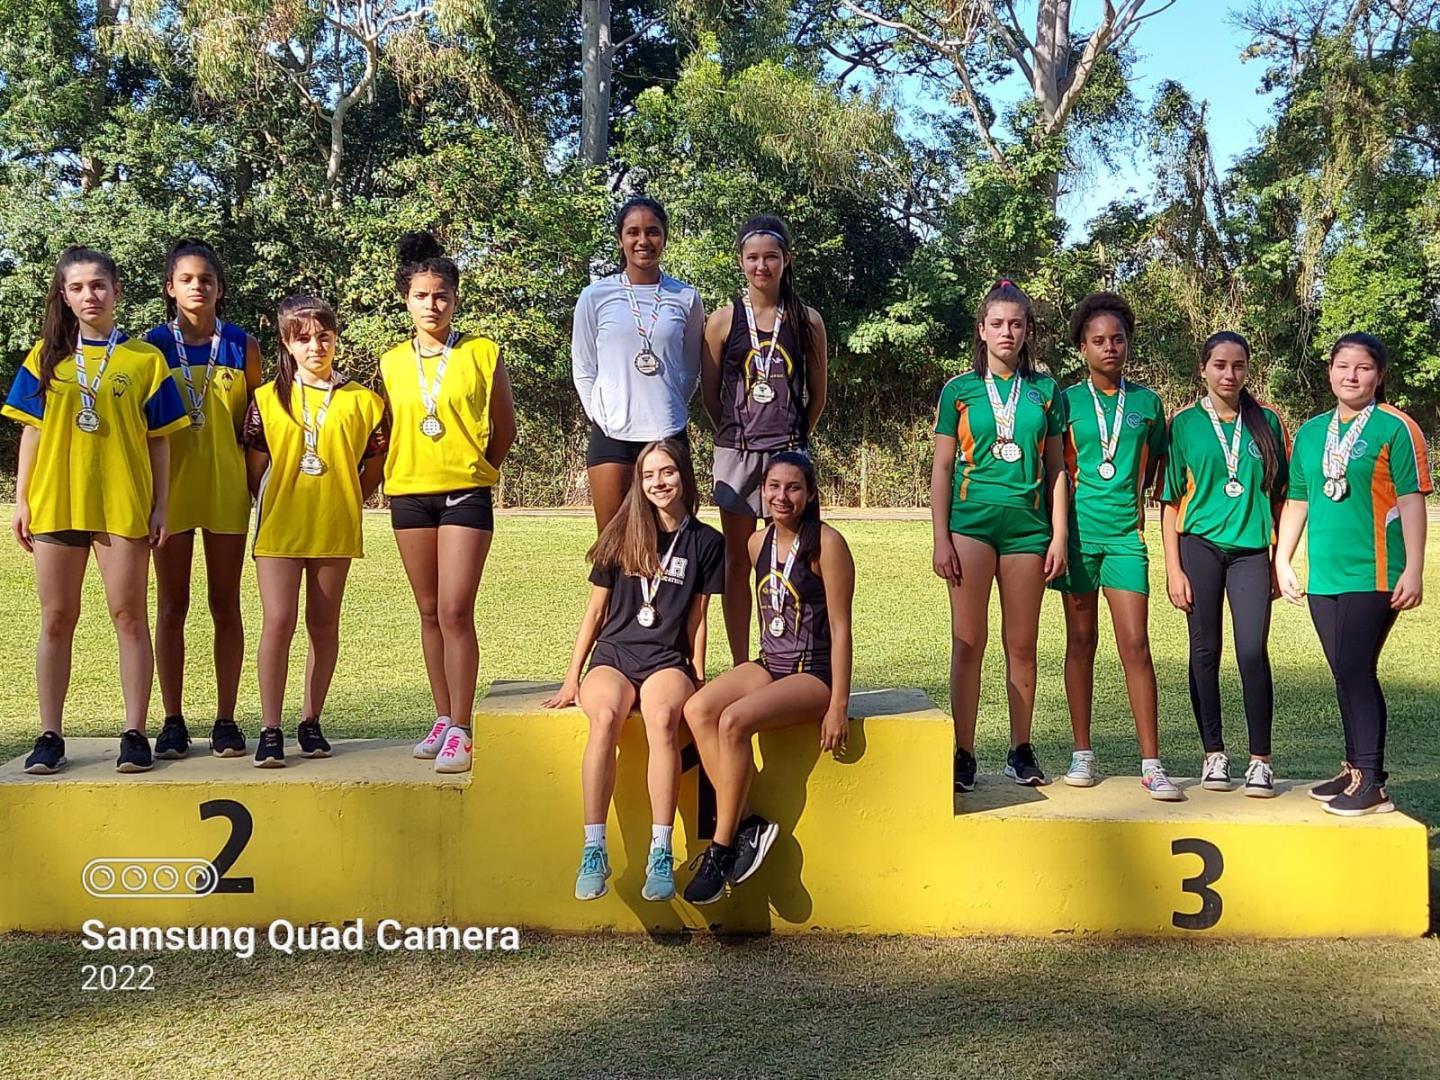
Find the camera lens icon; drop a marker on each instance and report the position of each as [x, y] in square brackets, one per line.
[149, 879]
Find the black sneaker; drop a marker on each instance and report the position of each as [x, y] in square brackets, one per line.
[708, 885]
[1365, 795]
[753, 841]
[1021, 766]
[135, 753]
[1336, 785]
[48, 756]
[312, 739]
[226, 739]
[270, 749]
[965, 766]
[174, 739]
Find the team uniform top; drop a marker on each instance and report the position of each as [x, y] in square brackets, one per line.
[1108, 516]
[207, 464]
[966, 416]
[96, 481]
[623, 402]
[1356, 543]
[804, 644]
[745, 422]
[696, 567]
[455, 459]
[1196, 474]
[313, 517]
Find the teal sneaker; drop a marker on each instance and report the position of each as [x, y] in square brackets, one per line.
[594, 870]
[659, 876]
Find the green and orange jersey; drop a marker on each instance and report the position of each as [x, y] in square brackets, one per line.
[1196, 474]
[965, 415]
[1355, 543]
[1108, 516]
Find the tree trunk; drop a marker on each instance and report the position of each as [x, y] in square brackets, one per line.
[596, 70]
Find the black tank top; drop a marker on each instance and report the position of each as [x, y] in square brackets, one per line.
[749, 424]
[804, 642]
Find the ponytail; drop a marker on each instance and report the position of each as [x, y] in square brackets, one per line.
[60, 327]
[1252, 416]
[198, 249]
[770, 225]
[1006, 292]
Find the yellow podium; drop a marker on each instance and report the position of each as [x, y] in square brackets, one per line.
[874, 843]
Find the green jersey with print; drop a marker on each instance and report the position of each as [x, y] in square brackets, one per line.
[1355, 543]
[965, 414]
[1109, 515]
[1195, 478]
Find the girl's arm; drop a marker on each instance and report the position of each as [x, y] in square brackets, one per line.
[817, 372]
[159, 450]
[837, 571]
[1287, 538]
[717, 329]
[1409, 590]
[20, 523]
[1177, 585]
[942, 475]
[256, 462]
[695, 624]
[252, 366]
[1057, 480]
[502, 416]
[590, 624]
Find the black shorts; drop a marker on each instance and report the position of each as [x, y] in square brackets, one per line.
[473, 508]
[781, 671]
[73, 538]
[637, 668]
[603, 450]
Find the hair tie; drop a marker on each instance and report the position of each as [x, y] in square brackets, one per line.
[1003, 282]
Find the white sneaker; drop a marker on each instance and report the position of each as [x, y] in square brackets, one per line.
[428, 747]
[1083, 771]
[1259, 780]
[1160, 786]
[454, 756]
[1215, 773]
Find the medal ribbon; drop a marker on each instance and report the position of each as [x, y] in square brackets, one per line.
[1004, 414]
[312, 432]
[762, 361]
[431, 397]
[650, 587]
[1109, 440]
[196, 399]
[640, 329]
[1232, 449]
[1338, 450]
[777, 596]
[90, 391]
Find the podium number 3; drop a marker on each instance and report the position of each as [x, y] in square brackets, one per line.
[1212, 865]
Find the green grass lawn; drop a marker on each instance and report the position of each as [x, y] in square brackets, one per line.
[760, 1007]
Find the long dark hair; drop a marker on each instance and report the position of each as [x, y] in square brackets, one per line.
[1251, 414]
[60, 327]
[809, 528]
[421, 253]
[770, 225]
[1005, 292]
[628, 207]
[1375, 347]
[199, 249]
[629, 541]
[294, 313]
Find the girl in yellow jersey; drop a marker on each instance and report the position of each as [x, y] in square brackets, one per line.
[94, 472]
[216, 368]
[452, 422]
[315, 451]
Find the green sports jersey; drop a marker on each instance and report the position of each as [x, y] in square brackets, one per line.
[1195, 478]
[1355, 543]
[1109, 515]
[966, 416]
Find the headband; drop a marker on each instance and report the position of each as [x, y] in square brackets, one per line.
[765, 232]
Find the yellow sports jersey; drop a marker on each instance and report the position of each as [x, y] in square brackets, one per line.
[298, 516]
[96, 481]
[454, 459]
[207, 464]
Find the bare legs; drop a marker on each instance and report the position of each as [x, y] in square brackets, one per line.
[607, 696]
[738, 528]
[280, 601]
[608, 484]
[224, 564]
[59, 574]
[1129, 612]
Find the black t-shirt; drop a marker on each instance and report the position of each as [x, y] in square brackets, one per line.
[697, 566]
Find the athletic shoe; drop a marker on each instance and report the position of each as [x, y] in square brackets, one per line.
[454, 756]
[428, 747]
[1364, 796]
[965, 766]
[174, 739]
[708, 884]
[1084, 771]
[1160, 786]
[270, 749]
[659, 876]
[1259, 779]
[226, 739]
[1215, 773]
[47, 757]
[1336, 785]
[1021, 766]
[135, 753]
[753, 841]
[594, 870]
[312, 739]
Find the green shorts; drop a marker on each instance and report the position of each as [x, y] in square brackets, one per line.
[1010, 530]
[1128, 571]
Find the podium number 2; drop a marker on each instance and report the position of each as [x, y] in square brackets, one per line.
[1212, 865]
[242, 826]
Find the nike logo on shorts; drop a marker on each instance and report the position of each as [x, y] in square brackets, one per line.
[456, 500]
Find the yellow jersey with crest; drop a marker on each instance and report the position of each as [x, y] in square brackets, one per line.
[453, 460]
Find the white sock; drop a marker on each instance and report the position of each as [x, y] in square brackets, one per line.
[595, 835]
[1085, 754]
[660, 837]
[1150, 764]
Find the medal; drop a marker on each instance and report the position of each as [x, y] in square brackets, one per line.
[650, 587]
[762, 391]
[197, 418]
[1005, 447]
[1230, 449]
[1007, 451]
[777, 626]
[196, 397]
[1106, 470]
[430, 426]
[1335, 488]
[87, 419]
[1109, 437]
[1337, 452]
[1234, 488]
[645, 616]
[646, 362]
[779, 581]
[311, 464]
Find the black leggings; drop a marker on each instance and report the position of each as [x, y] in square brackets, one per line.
[1353, 628]
[1244, 577]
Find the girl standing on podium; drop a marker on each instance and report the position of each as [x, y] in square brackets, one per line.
[654, 569]
[452, 421]
[315, 451]
[1359, 477]
[216, 368]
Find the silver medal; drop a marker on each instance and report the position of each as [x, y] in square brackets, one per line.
[1010, 452]
[645, 616]
[88, 420]
[431, 427]
[310, 463]
[1106, 470]
[197, 418]
[1234, 488]
[777, 626]
[1336, 488]
[646, 362]
[763, 393]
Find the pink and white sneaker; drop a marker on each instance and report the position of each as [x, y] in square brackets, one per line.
[454, 756]
[428, 747]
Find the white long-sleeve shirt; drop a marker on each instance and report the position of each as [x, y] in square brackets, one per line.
[623, 402]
